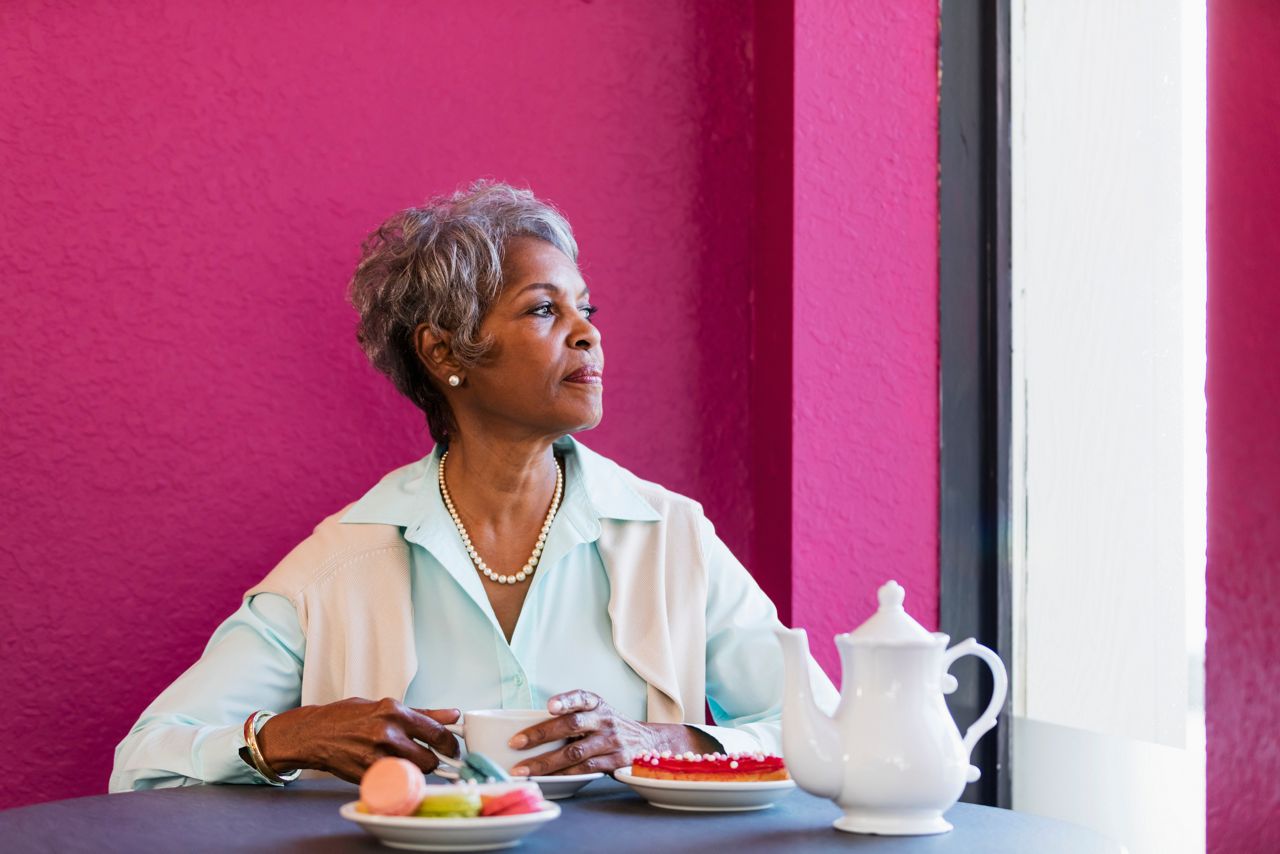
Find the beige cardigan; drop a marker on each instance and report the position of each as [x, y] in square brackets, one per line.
[350, 585]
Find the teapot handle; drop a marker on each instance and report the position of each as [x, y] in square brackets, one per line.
[987, 719]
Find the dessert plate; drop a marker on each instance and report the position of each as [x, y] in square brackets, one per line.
[450, 834]
[698, 796]
[555, 787]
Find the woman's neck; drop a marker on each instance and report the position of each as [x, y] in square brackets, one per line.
[498, 483]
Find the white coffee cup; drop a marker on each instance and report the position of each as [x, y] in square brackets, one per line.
[487, 731]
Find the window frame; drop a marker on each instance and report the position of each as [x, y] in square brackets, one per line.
[975, 346]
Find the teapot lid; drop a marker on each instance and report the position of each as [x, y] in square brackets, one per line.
[892, 624]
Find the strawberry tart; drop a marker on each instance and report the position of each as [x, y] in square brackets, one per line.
[710, 767]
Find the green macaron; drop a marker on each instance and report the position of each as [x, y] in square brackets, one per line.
[449, 803]
[482, 769]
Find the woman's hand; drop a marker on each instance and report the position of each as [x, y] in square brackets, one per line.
[601, 739]
[346, 737]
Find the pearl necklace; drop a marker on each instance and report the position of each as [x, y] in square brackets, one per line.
[532, 563]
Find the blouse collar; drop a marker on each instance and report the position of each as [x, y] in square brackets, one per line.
[595, 488]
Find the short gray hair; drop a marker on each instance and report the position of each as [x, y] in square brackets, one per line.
[441, 264]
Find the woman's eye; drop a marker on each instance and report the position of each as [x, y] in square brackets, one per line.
[546, 309]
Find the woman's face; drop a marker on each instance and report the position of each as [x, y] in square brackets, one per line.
[544, 374]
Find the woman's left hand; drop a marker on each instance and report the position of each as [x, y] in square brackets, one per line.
[603, 740]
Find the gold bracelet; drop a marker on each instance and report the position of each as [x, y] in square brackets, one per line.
[259, 763]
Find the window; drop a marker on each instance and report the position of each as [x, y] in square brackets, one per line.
[1073, 434]
[1108, 440]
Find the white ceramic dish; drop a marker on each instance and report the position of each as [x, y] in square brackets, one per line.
[556, 787]
[703, 796]
[450, 834]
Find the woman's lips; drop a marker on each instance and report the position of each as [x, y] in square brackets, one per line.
[586, 376]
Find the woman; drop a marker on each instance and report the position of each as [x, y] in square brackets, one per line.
[510, 568]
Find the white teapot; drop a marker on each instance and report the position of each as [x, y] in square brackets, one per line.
[891, 756]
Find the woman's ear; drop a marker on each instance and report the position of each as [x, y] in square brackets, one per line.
[435, 353]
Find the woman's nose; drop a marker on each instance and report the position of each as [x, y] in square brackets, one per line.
[585, 337]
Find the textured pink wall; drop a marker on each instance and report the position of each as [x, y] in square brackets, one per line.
[183, 188]
[1242, 662]
[773, 233]
[865, 326]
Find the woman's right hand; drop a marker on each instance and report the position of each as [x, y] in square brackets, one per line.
[346, 737]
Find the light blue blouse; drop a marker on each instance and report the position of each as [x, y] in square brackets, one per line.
[562, 640]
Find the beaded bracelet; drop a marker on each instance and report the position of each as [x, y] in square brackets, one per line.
[260, 765]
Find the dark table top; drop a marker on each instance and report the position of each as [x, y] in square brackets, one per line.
[605, 815]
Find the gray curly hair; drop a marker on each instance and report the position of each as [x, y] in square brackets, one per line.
[441, 264]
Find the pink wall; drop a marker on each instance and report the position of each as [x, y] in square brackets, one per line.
[844, 385]
[182, 193]
[865, 313]
[1243, 655]
[772, 240]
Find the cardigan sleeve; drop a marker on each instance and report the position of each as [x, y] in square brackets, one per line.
[192, 733]
[744, 660]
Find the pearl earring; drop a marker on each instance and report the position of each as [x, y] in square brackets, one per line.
[455, 380]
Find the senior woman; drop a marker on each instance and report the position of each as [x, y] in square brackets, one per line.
[510, 568]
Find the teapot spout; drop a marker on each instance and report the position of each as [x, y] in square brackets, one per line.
[810, 738]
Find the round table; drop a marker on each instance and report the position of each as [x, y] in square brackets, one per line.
[604, 816]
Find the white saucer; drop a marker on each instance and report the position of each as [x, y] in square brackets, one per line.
[555, 787]
[699, 796]
[450, 834]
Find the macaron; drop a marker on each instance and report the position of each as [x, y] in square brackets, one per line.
[460, 800]
[392, 786]
[514, 802]
[482, 769]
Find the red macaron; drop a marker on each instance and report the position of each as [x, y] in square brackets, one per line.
[516, 802]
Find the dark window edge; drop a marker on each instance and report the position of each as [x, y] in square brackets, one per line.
[975, 345]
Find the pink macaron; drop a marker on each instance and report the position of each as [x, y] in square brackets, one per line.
[392, 786]
[514, 802]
